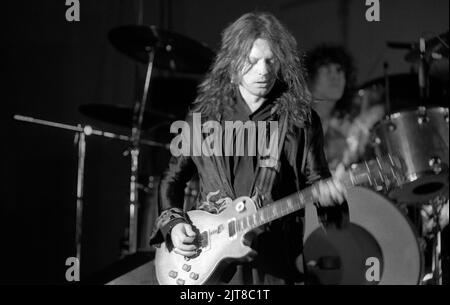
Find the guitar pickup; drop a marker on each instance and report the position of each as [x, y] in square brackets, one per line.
[202, 240]
[232, 228]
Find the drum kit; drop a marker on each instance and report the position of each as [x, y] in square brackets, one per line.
[417, 132]
[387, 223]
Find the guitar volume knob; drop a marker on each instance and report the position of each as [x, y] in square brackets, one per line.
[193, 276]
[173, 274]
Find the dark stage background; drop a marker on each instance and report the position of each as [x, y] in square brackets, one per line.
[51, 66]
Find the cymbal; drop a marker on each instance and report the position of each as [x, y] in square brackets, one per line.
[436, 48]
[123, 115]
[173, 51]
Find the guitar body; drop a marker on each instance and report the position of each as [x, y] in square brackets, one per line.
[218, 246]
[221, 238]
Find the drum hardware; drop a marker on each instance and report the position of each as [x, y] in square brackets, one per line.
[384, 183]
[122, 115]
[148, 194]
[435, 164]
[403, 92]
[436, 48]
[437, 262]
[392, 126]
[425, 53]
[138, 116]
[147, 187]
[431, 56]
[80, 140]
[173, 52]
[88, 130]
[435, 275]
[387, 87]
[422, 117]
[419, 138]
[423, 72]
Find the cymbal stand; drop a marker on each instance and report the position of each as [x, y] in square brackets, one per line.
[436, 266]
[435, 276]
[138, 115]
[437, 262]
[80, 138]
[387, 87]
[423, 72]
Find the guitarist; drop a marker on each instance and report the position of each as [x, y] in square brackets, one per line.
[256, 76]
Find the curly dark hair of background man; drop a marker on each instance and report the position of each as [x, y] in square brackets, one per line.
[325, 54]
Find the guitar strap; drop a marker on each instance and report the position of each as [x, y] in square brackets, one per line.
[267, 169]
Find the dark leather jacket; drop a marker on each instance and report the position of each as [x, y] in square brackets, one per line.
[302, 163]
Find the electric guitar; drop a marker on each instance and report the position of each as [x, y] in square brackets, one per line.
[221, 237]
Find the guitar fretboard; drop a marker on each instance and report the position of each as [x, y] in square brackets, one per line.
[299, 200]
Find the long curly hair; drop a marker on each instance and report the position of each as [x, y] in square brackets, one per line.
[325, 54]
[218, 90]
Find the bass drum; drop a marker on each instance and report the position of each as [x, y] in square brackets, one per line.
[378, 246]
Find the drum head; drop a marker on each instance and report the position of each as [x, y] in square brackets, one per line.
[379, 246]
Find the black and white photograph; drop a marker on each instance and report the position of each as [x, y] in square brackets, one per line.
[230, 145]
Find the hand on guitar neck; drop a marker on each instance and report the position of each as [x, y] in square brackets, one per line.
[330, 192]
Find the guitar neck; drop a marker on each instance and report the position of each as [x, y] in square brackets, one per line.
[293, 203]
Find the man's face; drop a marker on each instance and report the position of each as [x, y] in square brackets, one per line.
[329, 83]
[259, 73]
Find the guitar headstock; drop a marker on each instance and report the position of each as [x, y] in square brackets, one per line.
[381, 173]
